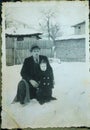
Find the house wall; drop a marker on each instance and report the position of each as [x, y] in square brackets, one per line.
[80, 29]
[71, 50]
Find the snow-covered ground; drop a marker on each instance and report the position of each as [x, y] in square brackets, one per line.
[72, 107]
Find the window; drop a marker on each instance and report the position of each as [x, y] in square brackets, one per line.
[20, 38]
[79, 27]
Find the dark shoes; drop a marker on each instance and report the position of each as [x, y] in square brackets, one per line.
[53, 98]
[44, 101]
[21, 102]
[47, 100]
[41, 102]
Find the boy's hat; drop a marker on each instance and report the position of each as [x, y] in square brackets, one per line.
[34, 46]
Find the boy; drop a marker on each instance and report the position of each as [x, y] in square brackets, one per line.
[46, 84]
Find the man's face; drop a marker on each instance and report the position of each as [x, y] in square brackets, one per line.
[36, 52]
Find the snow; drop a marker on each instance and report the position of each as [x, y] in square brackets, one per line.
[72, 107]
[73, 36]
[21, 31]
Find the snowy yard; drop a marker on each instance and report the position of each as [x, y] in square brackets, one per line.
[72, 107]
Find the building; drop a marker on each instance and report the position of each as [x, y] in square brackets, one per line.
[72, 48]
[79, 28]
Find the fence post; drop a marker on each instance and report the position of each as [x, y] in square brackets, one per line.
[15, 50]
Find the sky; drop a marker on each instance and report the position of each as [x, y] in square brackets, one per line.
[66, 14]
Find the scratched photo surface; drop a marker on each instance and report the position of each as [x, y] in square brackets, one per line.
[61, 30]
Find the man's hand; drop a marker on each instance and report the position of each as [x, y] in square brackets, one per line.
[34, 83]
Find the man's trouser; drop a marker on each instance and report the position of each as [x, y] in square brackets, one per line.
[25, 92]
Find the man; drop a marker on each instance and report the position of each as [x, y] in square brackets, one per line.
[27, 87]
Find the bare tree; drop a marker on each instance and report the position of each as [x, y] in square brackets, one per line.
[54, 31]
[50, 27]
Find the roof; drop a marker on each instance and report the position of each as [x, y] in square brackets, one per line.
[21, 31]
[78, 24]
[71, 37]
[23, 35]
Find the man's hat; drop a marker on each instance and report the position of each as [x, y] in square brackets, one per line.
[34, 46]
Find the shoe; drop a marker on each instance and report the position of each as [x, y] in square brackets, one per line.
[53, 98]
[21, 102]
[41, 102]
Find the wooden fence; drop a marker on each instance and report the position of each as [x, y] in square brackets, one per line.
[17, 51]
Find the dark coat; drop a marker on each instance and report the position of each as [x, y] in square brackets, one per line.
[44, 91]
[46, 79]
[30, 69]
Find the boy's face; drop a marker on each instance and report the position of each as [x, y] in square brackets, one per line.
[43, 66]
